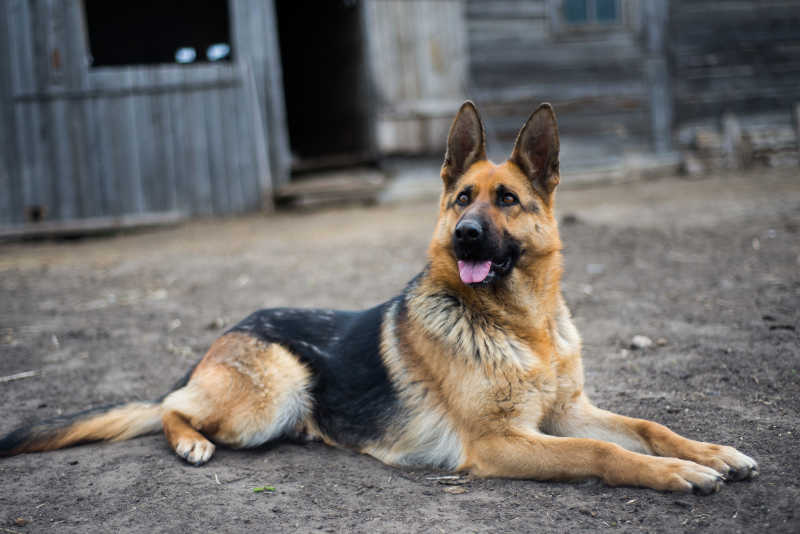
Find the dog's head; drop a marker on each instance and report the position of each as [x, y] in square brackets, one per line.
[496, 220]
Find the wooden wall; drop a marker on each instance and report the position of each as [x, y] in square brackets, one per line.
[521, 55]
[740, 56]
[82, 142]
[417, 54]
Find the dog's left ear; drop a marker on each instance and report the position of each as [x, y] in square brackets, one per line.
[466, 144]
[536, 149]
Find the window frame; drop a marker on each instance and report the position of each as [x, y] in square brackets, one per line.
[628, 13]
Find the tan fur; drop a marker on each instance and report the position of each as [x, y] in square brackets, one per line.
[243, 393]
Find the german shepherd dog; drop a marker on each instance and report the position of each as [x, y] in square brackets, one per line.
[475, 367]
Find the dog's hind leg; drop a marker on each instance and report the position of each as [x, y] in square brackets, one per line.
[243, 393]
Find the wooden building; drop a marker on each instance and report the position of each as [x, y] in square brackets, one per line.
[601, 63]
[139, 111]
[152, 109]
[98, 119]
[626, 75]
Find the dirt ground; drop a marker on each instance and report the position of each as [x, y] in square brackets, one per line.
[709, 270]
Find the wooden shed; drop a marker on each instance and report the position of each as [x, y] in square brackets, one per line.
[626, 75]
[100, 119]
[148, 110]
[138, 111]
[741, 57]
[602, 64]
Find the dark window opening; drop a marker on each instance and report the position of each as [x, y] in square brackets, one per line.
[146, 32]
[325, 82]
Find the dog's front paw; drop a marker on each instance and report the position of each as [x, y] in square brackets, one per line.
[731, 463]
[673, 474]
[194, 451]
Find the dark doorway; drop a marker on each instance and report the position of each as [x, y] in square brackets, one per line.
[325, 82]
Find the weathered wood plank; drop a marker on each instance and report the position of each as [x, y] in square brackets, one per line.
[625, 91]
[216, 151]
[256, 49]
[20, 39]
[657, 73]
[102, 163]
[63, 170]
[10, 186]
[58, 138]
[494, 32]
[126, 190]
[179, 111]
[333, 187]
[276, 134]
[151, 168]
[246, 151]
[93, 197]
[76, 47]
[117, 180]
[174, 77]
[91, 225]
[30, 119]
[230, 150]
[615, 48]
[40, 33]
[132, 152]
[198, 173]
[260, 146]
[161, 123]
[586, 119]
[733, 56]
[417, 54]
[75, 60]
[505, 9]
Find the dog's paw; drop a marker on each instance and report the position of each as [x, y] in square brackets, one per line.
[195, 451]
[731, 463]
[687, 476]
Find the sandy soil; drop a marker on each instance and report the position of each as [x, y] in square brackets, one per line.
[710, 268]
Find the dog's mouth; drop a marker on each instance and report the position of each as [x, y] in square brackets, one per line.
[484, 272]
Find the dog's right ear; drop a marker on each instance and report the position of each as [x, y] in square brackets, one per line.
[466, 144]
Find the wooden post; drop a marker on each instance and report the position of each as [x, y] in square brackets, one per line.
[658, 79]
[10, 186]
[259, 130]
[254, 30]
[796, 122]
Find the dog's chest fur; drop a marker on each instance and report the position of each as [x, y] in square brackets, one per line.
[460, 373]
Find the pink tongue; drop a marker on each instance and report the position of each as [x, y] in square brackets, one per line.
[473, 272]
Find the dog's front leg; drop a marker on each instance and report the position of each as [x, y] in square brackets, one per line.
[543, 457]
[582, 419]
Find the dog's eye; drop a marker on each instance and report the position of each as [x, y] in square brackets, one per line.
[508, 199]
[462, 199]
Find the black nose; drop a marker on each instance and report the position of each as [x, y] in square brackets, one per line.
[469, 231]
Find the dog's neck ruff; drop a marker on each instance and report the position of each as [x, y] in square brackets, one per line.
[474, 334]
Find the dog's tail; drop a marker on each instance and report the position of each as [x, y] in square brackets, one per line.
[111, 423]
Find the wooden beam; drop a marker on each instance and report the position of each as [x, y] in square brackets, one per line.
[94, 225]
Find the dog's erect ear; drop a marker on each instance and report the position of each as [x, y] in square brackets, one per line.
[466, 144]
[536, 149]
